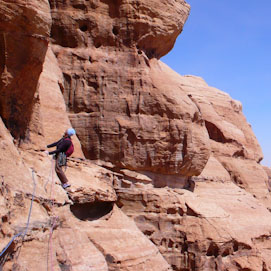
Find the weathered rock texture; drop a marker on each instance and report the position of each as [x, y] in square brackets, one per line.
[121, 113]
[24, 32]
[200, 231]
[175, 181]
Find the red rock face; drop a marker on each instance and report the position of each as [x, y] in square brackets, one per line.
[151, 26]
[203, 230]
[24, 32]
[189, 192]
[119, 102]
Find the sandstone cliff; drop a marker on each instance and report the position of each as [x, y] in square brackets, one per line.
[166, 174]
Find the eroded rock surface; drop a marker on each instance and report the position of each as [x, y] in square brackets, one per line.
[123, 114]
[232, 141]
[175, 181]
[24, 35]
[209, 229]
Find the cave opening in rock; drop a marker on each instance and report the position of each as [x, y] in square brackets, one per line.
[215, 133]
[91, 211]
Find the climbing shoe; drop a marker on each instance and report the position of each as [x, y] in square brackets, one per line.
[66, 185]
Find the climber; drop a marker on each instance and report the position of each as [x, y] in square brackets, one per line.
[64, 148]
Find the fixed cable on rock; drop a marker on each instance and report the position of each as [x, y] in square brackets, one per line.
[23, 233]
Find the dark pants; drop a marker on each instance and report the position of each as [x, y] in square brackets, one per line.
[60, 173]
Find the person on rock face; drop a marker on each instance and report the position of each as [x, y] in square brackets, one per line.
[64, 148]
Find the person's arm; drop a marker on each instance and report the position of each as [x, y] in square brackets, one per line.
[54, 144]
[62, 147]
[52, 152]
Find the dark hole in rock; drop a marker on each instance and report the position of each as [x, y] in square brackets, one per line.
[115, 30]
[4, 218]
[180, 211]
[184, 247]
[148, 233]
[239, 153]
[235, 246]
[191, 212]
[151, 53]
[91, 211]
[171, 211]
[226, 252]
[170, 243]
[97, 44]
[213, 250]
[83, 28]
[214, 132]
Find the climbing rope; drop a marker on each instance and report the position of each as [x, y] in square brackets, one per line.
[54, 218]
[31, 204]
[51, 241]
[23, 233]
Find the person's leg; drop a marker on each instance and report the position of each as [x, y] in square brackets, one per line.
[61, 175]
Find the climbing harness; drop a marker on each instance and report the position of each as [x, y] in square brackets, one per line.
[23, 233]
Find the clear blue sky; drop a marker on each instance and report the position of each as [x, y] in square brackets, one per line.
[228, 44]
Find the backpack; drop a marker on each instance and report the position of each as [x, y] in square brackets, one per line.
[70, 150]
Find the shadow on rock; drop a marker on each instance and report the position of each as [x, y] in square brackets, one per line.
[91, 211]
